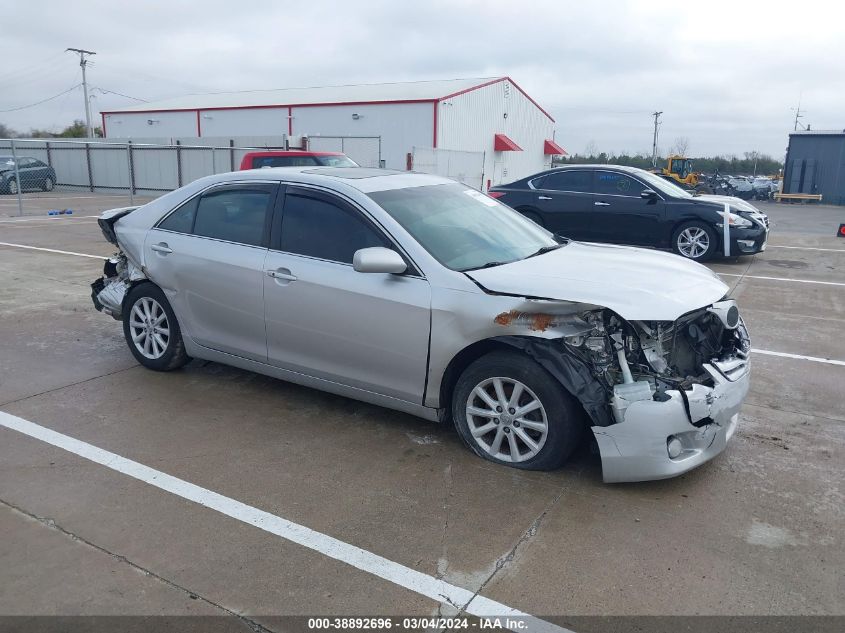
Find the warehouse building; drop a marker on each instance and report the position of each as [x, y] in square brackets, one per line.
[510, 133]
[815, 163]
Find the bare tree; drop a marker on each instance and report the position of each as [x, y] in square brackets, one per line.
[6, 131]
[591, 149]
[680, 146]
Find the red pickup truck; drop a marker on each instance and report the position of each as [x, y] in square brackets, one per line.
[293, 158]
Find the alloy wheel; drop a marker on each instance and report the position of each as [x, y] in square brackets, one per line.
[693, 242]
[506, 419]
[149, 328]
[13, 187]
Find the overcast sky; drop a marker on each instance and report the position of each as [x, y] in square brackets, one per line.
[725, 74]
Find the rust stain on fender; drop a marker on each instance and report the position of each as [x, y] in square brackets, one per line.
[538, 322]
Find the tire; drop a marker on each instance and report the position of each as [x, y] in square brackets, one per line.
[12, 186]
[143, 308]
[48, 184]
[534, 217]
[556, 426]
[689, 238]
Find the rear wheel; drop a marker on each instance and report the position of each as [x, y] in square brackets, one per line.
[509, 410]
[695, 240]
[151, 329]
[13, 186]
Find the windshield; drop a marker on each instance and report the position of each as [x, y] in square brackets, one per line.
[462, 228]
[336, 161]
[664, 186]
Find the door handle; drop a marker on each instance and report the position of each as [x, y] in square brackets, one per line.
[162, 248]
[601, 204]
[544, 197]
[282, 274]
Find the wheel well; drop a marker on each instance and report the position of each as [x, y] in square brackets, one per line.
[681, 223]
[458, 364]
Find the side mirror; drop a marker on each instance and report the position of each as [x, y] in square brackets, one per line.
[378, 260]
[648, 194]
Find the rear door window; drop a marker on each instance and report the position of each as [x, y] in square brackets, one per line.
[235, 214]
[611, 183]
[571, 180]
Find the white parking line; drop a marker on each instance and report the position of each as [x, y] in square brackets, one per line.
[800, 281]
[398, 574]
[815, 359]
[809, 248]
[48, 218]
[51, 250]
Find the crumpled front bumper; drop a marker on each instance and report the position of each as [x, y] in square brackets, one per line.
[636, 449]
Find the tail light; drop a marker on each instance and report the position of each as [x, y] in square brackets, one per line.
[495, 194]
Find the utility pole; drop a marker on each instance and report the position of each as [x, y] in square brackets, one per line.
[82, 64]
[797, 115]
[656, 116]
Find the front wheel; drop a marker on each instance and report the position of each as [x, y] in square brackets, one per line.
[12, 186]
[48, 184]
[695, 240]
[509, 410]
[151, 329]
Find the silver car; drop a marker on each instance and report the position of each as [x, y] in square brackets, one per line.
[423, 295]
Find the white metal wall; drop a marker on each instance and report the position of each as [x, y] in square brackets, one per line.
[469, 122]
[151, 124]
[254, 121]
[400, 125]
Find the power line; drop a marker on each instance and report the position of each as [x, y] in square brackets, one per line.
[120, 94]
[32, 105]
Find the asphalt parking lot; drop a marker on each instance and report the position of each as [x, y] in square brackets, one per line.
[757, 531]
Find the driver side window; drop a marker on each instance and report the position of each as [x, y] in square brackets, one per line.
[318, 228]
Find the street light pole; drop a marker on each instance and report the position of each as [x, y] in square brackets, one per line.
[83, 62]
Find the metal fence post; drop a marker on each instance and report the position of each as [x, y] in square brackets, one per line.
[88, 161]
[131, 177]
[179, 163]
[232, 154]
[132, 188]
[213, 161]
[17, 176]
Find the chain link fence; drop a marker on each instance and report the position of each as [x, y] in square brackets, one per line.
[55, 176]
[364, 150]
[465, 167]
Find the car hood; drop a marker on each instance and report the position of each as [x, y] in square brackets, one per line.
[738, 203]
[637, 284]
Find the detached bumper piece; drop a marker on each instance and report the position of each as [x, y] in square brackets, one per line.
[658, 440]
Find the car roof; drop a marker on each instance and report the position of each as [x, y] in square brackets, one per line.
[365, 179]
[292, 152]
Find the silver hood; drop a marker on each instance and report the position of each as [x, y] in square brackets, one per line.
[638, 284]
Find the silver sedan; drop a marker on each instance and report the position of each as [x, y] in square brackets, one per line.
[423, 295]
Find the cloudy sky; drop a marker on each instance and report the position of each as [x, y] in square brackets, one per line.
[725, 74]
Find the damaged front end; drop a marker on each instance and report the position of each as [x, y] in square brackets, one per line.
[663, 397]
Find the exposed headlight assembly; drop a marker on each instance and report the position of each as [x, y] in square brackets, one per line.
[727, 312]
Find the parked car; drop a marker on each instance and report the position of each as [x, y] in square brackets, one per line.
[295, 158]
[625, 205]
[419, 294]
[34, 174]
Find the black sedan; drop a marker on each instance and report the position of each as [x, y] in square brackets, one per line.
[625, 205]
[33, 174]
